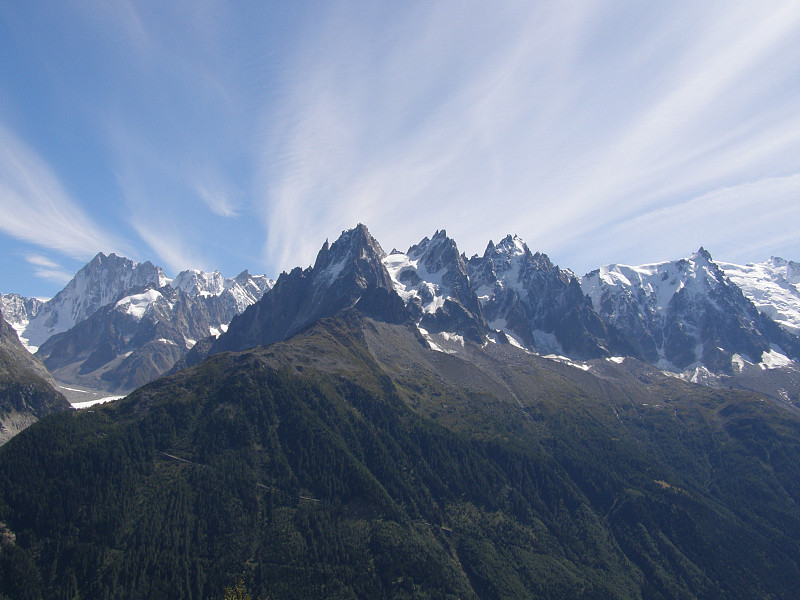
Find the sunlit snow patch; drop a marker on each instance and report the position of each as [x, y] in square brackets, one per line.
[774, 359]
[137, 304]
[568, 361]
[88, 403]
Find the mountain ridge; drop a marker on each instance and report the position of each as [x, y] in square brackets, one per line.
[705, 327]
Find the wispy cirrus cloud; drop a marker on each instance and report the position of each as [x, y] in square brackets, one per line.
[557, 122]
[741, 223]
[48, 269]
[220, 197]
[221, 135]
[37, 209]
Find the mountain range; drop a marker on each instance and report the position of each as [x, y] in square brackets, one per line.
[417, 424]
[118, 324]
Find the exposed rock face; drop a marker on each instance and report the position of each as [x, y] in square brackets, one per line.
[18, 310]
[26, 388]
[542, 306]
[338, 279]
[432, 279]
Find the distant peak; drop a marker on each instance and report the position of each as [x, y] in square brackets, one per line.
[101, 257]
[435, 249]
[352, 242]
[702, 253]
[512, 245]
[102, 260]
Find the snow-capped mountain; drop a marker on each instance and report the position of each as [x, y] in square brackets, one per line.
[99, 282]
[537, 305]
[686, 316]
[118, 324]
[686, 313]
[530, 301]
[131, 340]
[773, 286]
[224, 297]
[18, 310]
[432, 280]
[238, 292]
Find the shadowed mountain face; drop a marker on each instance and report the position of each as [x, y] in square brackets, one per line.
[339, 278]
[26, 388]
[351, 461]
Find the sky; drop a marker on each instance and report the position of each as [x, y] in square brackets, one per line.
[241, 135]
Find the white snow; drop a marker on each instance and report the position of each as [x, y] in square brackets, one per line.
[773, 286]
[97, 284]
[430, 286]
[137, 305]
[568, 361]
[660, 282]
[546, 343]
[774, 359]
[88, 403]
[63, 387]
[453, 337]
[514, 341]
[616, 359]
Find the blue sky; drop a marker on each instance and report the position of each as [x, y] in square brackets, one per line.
[242, 135]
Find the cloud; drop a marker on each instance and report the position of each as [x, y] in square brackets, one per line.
[156, 221]
[162, 196]
[42, 261]
[166, 241]
[48, 269]
[742, 223]
[37, 209]
[219, 197]
[552, 121]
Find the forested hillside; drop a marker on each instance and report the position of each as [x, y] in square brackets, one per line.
[352, 462]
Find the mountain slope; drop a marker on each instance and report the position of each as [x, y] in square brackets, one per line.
[538, 304]
[18, 310]
[96, 284]
[773, 286]
[340, 275]
[432, 280]
[351, 461]
[687, 313]
[144, 331]
[26, 388]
